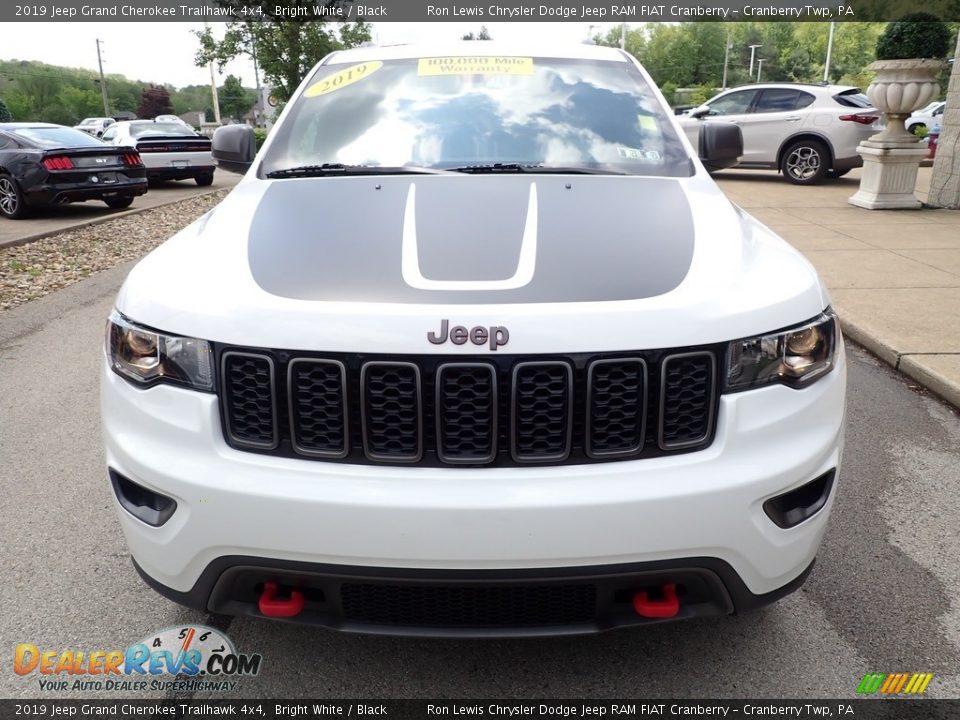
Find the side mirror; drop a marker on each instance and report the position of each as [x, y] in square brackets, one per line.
[234, 147]
[721, 145]
[699, 112]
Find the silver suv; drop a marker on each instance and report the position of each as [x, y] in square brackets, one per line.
[807, 132]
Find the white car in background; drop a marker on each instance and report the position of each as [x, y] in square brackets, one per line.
[94, 125]
[171, 151]
[929, 117]
[807, 132]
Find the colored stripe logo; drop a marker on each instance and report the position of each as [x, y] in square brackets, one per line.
[894, 683]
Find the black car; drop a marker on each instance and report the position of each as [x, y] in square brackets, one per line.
[44, 164]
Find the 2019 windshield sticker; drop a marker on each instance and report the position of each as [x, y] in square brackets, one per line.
[475, 65]
[342, 78]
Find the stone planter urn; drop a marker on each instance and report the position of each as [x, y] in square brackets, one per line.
[891, 157]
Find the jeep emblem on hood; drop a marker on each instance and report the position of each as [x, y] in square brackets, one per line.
[497, 335]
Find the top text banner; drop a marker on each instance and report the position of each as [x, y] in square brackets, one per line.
[467, 10]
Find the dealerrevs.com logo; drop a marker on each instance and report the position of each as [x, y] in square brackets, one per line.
[186, 658]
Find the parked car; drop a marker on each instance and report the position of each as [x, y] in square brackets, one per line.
[928, 118]
[43, 164]
[94, 125]
[807, 132]
[169, 118]
[476, 347]
[170, 150]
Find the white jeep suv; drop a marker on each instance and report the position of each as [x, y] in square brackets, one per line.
[475, 347]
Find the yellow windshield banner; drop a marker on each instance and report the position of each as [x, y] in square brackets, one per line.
[475, 65]
[342, 78]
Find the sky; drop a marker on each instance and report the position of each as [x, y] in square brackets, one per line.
[163, 52]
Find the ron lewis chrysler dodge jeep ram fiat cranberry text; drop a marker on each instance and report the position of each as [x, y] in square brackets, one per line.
[475, 347]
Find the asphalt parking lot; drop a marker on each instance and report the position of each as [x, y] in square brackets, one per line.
[883, 596]
[62, 217]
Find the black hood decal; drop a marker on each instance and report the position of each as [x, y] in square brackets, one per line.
[469, 239]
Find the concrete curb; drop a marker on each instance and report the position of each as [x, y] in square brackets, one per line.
[910, 365]
[99, 220]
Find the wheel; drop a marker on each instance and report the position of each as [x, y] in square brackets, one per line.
[204, 180]
[805, 162]
[119, 203]
[12, 204]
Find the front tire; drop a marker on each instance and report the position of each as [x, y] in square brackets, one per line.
[805, 162]
[12, 204]
[119, 203]
[204, 180]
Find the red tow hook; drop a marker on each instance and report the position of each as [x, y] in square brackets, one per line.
[666, 608]
[272, 606]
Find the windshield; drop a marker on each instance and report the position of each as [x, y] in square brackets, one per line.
[139, 130]
[57, 137]
[461, 111]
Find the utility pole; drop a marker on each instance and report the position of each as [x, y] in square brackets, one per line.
[726, 60]
[826, 65]
[759, 68]
[213, 85]
[753, 49]
[103, 82]
[257, 108]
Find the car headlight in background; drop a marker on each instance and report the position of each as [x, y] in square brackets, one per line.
[794, 357]
[147, 357]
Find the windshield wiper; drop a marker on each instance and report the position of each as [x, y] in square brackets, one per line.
[333, 169]
[520, 168]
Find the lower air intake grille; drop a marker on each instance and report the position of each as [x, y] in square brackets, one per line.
[469, 605]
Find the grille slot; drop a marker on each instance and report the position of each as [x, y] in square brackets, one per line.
[466, 411]
[686, 399]
[469, 605]
[391, 411]
[616, 407]
[318, 408]
[250, 407]
[542, 409]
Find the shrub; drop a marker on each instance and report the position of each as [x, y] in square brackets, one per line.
[259, 134]
[917, 35]
[5, 115]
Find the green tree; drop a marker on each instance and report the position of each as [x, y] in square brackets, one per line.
[5, 115]
[484, 34]
[79, 103]
[235, 100]
[286, 49]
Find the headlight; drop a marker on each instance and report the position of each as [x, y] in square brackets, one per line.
[147, 357]
[794, 357]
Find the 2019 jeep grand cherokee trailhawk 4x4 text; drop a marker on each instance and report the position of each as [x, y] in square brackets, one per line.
[475, 347]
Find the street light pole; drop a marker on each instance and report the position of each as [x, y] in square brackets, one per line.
[726, 60]
[103, 82]
[826, 65]
[753, 49]
[213, 85]
[759, 68]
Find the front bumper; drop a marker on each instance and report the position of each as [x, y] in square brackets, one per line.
[697, 511]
